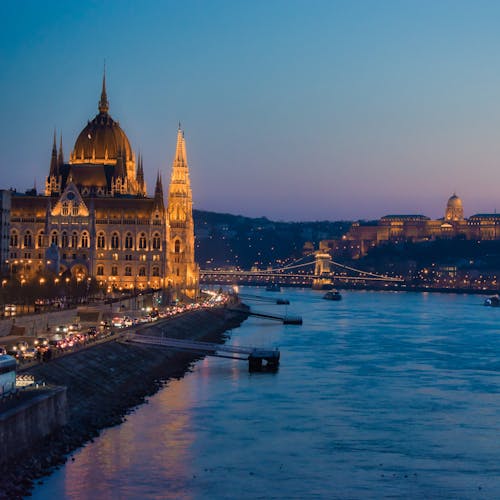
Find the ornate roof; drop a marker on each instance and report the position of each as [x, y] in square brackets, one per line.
[102, 141]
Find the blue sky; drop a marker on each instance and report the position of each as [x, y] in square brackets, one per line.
[295, 110]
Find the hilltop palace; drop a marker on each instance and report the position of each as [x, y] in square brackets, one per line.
[96, 219]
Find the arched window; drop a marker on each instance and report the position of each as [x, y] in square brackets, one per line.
[128, 271]
[74, 210]
[28, 240]
[64, 239]
[142, 271]
[114, 270]
[129, 241]
[156, 271]
[85, 240]
[156, 241]
[142, 241]
[65, 208]
[14, 240]
[115, 241]
[39, 242]
[100, 270]
[74, 239]
[54, 238]
[177, 246]
[101, 241]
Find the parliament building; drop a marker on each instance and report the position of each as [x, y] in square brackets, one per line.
[96, 219]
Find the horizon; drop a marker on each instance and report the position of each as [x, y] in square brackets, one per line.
[337, 112]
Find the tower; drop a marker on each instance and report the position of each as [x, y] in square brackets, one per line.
[183, 272]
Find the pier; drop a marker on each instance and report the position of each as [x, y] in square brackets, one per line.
[254, 355]
[285, 319]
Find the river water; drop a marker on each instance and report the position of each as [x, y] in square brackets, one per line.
[382, 394]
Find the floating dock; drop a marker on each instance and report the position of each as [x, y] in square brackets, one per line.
[254, 355]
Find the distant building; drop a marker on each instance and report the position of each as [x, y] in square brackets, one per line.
[398, 228]
[5, 205]
[96, 219]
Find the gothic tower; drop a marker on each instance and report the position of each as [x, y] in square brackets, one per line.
[183, 272]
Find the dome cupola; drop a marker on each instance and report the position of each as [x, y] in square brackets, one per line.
[454, 209]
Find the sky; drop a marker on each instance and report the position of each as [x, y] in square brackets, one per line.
[293, 110]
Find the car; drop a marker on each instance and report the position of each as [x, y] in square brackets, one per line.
[41, 342]
[62, 329]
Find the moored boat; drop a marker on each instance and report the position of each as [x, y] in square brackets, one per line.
[493, 301]
[333, 295]
[273, 287]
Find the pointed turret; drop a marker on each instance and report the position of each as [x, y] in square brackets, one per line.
[53, 160]
[60, 156]
[103, 103]
[140, 176]
[120, 164]
[180, 149]
[183, 272]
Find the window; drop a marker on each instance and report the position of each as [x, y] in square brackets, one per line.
[142, 241]
[156, 258]
[142, 257]
[115, 241]
[101, 241]
[100, 270]
[142, 271]
[28, 242]
[54, 239]
[128, 271]
[13, 239]
[156, 271]
[128, 257]
[129, 242]
[74, 239]
[40, 239]
[114, 270]
[156, 242]
[65, 208]
[64, 239]
[114, 256]
[85, 240]
[74, 210]
[177, 246]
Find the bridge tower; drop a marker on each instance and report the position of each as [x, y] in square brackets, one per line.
[183, 272]
[322, 271]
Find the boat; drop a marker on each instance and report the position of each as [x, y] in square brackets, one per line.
[333, 295]
[493, 301]
[273, 287]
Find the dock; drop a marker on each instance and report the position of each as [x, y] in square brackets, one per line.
[259, 359]
[286, 320]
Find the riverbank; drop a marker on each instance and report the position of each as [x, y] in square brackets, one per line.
[104, 383]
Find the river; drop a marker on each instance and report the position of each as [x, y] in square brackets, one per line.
[381, 394]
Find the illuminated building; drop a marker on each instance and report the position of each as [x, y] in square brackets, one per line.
[96, 219]
[5, 204]
[417, 228]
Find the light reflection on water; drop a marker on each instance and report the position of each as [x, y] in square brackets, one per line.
[381, 394]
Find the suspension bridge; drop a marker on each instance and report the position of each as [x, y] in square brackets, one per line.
[320, 272]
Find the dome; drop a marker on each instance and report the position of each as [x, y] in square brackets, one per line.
[102, 141]
[454, 209]
[454, 202]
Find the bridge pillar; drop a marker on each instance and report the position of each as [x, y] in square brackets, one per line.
[322, 272]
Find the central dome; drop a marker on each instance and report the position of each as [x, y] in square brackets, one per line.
[454, 209]
[102, 141]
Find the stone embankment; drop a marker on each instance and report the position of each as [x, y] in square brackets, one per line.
[104, 383]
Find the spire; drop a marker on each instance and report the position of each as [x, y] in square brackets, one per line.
[60, 157]
[140, 175]
[120, 164]
[53, 160]
[159, 192]
[103, 103]
[180, 149]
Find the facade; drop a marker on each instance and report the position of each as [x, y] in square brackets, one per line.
[95, 218]
[397, 228]
[5, 203]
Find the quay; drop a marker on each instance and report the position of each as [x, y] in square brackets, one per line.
[254, 355]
